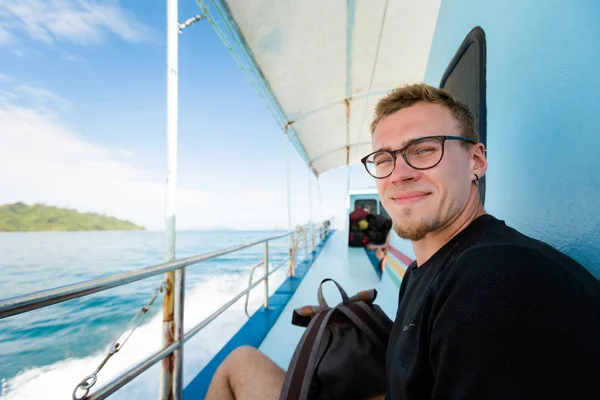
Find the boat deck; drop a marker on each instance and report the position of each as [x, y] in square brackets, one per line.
[271, 329]
[350, 267]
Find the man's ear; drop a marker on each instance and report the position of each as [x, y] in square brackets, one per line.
[478, 160]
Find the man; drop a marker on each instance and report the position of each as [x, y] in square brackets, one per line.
[484, 312]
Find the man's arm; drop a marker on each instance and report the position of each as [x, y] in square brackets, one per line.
[510, 325]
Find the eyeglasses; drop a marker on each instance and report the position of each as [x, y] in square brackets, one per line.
[422, 153]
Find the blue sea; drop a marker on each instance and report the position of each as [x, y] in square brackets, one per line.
[48, 351]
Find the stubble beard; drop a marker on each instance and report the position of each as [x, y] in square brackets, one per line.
[410, 227]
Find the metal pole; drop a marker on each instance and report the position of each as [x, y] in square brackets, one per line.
[305, 243]
[320, 197]
[289, 198]
[178, 333]
[312, 226]
[310, 196]
[292, 255]
[172, 365]
[348, 179]
[266, 301]
[287, 163]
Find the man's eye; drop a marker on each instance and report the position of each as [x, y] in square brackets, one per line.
[425, 150]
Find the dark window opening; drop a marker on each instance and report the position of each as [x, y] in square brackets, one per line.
[370, 205]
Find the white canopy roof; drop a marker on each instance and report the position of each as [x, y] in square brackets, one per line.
[322, 65]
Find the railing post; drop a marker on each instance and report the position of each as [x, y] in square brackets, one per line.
[305, 244]
[172, 365]
[291, 271]
[178, 297]
[266, 300]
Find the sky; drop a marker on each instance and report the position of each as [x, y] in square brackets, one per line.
[83, 122]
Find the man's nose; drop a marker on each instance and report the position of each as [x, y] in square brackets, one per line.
[403, 172]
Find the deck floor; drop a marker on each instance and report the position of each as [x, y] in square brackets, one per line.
[350, 267]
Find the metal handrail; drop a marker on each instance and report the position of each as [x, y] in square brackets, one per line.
[223, 308]
[259, 264]
[104, 391]
[20, 304]
[281, 264]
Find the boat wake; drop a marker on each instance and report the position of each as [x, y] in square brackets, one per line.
[58, 380]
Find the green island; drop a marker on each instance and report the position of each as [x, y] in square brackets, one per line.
[20, 217]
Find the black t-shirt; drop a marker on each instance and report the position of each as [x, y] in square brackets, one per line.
[495, 314]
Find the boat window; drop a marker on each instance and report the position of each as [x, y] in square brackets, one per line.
[370, 205]
[464, 78]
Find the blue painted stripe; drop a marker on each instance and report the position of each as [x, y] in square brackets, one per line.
[255, 329]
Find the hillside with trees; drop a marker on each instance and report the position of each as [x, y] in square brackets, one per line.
[20, 217]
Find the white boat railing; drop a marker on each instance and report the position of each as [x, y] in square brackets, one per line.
[33, 301]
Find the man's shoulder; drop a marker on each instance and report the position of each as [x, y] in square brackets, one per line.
[504, 245]
[520, 261]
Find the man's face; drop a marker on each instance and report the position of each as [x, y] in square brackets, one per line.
[424, 201]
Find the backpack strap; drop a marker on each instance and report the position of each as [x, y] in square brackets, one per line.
[322, 301]
[368, 296]
[370, 322]
[302, 366]
[303, 315]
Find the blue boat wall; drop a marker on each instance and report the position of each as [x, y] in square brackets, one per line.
[543, 114]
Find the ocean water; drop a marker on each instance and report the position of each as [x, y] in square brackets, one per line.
[48, 351]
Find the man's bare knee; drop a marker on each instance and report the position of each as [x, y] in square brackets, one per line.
[243, 354]
[238, 358]
[250, 373]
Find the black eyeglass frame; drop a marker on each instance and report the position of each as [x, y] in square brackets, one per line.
[402, 151]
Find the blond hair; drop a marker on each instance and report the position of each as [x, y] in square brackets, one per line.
[409, 95]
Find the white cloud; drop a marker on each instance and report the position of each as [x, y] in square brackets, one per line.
[41, 96]
[5, 36]
[74, 58]
[7, 95]
[4, 78]
[30, 95]
[126, 153]
[78, 21]
[43, 160]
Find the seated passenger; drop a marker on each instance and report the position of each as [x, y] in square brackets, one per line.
[381, 251]
[484, 312]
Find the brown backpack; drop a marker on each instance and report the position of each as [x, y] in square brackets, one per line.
[342, 352]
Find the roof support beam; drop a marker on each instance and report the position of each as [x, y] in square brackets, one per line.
[336, 150]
